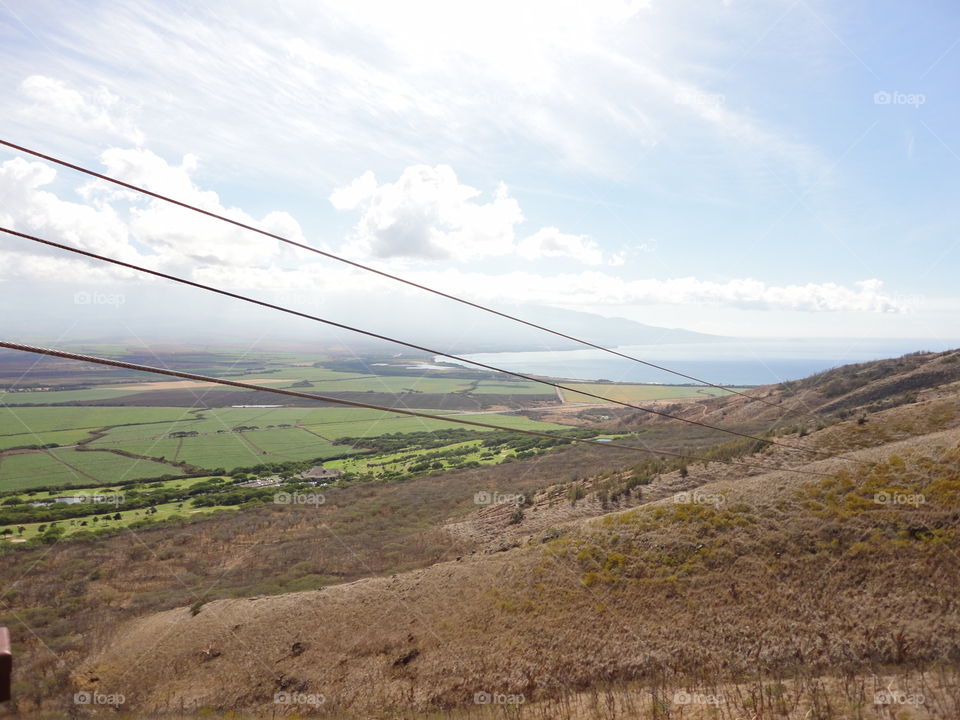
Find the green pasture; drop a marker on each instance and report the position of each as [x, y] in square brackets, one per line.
[72, 467]
[630, 392]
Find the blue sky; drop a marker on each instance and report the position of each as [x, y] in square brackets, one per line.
[778, 168]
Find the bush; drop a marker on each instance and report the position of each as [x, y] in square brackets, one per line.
[574, 493]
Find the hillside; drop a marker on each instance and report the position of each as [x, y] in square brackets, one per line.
[615, 589]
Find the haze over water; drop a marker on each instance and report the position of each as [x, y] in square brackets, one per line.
[736, 362]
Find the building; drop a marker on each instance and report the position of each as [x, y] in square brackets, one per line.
[319, 472]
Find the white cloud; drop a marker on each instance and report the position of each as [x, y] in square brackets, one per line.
[550, 242]
[131, 227]
[582, 290]
[352, 196]
[593, 288]
[183, 235]
[342, 83]
[26, 206]
[54, 102]
[427, 213]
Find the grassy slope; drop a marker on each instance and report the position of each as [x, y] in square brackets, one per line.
[602, 603]
[782, 576]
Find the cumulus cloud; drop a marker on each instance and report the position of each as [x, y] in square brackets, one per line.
[185, 235]
[129, 226]
[428, 213]
[27, 206]
[53, 101]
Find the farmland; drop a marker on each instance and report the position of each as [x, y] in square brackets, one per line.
[225, 439]
[71, 427]
[640, 392]
[72, 468]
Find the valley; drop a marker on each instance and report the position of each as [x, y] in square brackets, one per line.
[546, 571]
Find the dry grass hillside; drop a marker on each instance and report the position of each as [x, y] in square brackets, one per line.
[611, 590]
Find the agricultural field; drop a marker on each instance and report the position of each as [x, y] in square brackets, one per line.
[66, 467]
[511, 387]
[308, 434]
[65, 426]
[95, 429]
[20, 421]
[638, 392]
[226, 438]
[28, 513]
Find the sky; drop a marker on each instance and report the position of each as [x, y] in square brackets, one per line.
[785, 168]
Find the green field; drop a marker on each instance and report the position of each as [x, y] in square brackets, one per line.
[71, 467]
[146, 431]
[61, 396]
[59, 437]
[164, 512]
[629, 392]
[519, 387]
[268, 435]
[309, 437]
[389, 384]
[25, 421]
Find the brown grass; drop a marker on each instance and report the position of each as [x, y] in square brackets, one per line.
[788, 595]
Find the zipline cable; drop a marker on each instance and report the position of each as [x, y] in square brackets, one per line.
[381, 273]
[50, 352]
[457, 358]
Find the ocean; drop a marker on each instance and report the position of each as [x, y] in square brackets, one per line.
[735, 362]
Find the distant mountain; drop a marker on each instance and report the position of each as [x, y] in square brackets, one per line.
[611, 331]
[161, 313]
[460, 329]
